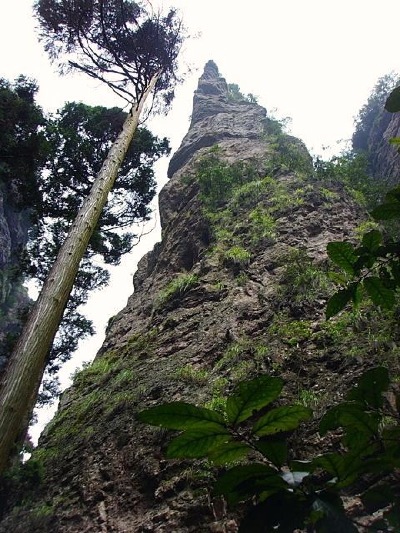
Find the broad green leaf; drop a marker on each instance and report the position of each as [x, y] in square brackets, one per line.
[251, 397]
[339, 278]
[359, 442]
[349, 415]
[372, 240]
[228, 453]
[357, 293]
[338, 302]
[333, 519]
[377, 498]
[284, 418]
[393, 516]
[179, 415]
[345, 469]
[275, 450]
[393, 195]
[370, 387]
[243, 482]
[198, 441]
[379, 294]
[386, 211]
[282, 512]
[343, 255]
[393, 101]
[391, 439]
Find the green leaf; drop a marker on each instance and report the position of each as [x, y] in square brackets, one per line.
[243, 482]
[198, 441]
[370, 387]
[345, 468]
[275, 450]
[377, 498]
[284, 418]
[228, 453]
[338, 302]
[349, 415]
[372, 240]
[393, 101]
[179, 415]
[282, 512]
[378, 293]
[251, 397]
[393, 517]
[333, 519]
[386, 211]
[343, 255]
[393, 195]
[395, 141]
[339, 278]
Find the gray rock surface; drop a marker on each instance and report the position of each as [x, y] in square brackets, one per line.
[102, 470]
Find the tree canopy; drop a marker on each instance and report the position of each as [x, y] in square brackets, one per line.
[47, 166]
[120, 42]
[22, 142]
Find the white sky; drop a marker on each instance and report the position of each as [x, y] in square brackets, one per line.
[314, 60]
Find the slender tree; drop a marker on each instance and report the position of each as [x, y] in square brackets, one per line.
[134, 50]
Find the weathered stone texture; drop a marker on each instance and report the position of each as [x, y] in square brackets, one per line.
[104, 471]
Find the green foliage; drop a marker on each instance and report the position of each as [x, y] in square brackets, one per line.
[22, 144]
[302, 280]
[286, 491]
[218, 179]
[351, 170]
[237, 255]
[371, 268]
[124, 44]
[180, 285]
[393, 101]
[191, 374]
[291, 332]
[264, 224]
[370, 115]
[235, 94]
[289, 155]
[47, 166]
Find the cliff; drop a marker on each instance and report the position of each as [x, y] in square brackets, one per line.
[385, 157]
[237, 287]
[14, 300]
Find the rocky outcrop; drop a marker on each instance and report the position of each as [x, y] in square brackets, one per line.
[385, 157]
[14, 226]
[219, 300]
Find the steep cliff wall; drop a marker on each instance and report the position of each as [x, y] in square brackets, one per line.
[237, 287]
[385, 157]
[14, 226]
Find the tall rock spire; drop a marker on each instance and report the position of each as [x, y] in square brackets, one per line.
[217, 118]
[233, 290]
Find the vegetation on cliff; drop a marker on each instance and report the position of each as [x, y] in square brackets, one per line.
[134, 50]
[236, 291]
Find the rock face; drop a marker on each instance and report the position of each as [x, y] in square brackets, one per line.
[384, 157]
[241, 265]
[14, 225]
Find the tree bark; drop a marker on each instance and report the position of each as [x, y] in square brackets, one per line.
[21, 380]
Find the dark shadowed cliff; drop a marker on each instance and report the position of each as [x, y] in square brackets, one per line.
[237, 287]
[14, 226]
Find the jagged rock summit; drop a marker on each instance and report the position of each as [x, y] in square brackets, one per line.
[217, 118]
[221, 299]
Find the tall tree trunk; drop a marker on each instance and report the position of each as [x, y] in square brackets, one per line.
[24, 372]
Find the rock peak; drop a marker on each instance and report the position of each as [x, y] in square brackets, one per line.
[211, 82]
[210, 70]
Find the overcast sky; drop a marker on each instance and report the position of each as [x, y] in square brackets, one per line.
[316, 61]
